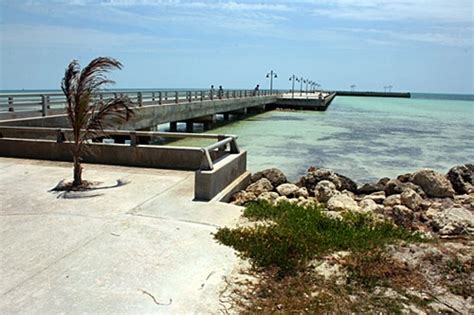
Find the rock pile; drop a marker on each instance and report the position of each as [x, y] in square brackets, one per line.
[426, 200]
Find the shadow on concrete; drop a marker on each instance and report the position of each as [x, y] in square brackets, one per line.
[64, 190]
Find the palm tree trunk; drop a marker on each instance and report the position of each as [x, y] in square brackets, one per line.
[77, 171]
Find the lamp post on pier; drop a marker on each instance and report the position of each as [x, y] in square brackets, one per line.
[293, 78]
[301, 81]
[271, 75]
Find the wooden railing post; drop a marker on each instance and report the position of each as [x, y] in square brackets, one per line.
[160, 99]
[202, 95]
[152, 96]
[10, 104]
[176, 97]
[166, 95]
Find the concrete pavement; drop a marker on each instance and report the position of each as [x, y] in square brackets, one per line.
[143, 247]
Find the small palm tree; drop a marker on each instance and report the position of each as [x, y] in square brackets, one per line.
[87, 113]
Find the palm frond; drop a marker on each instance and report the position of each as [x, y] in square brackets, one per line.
[108, 113]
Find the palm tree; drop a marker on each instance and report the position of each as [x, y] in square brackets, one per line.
[87, 114]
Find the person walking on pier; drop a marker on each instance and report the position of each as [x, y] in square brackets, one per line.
[220, 92]
[255, 91]
[211, 92]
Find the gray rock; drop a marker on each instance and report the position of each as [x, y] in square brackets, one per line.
[462, 178]
[242, 197]
[402, 216]
[404, 178]
[368, 205]
[454, 221]
[302, 192]
[347, 183]
[324, 190]
[256, 176]
[260, 186]
[342, 202]
[433, 184]
[348, 193]
[275, 176]
[287, 190]
[395, 187]
[392, 201]
[378, 197]
[370, 188]
[313, 177]
[411, 199]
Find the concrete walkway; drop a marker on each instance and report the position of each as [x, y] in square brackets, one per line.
[143, 247]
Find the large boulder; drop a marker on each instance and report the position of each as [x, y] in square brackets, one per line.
[324, 190]
[462, 178]
[347, 183]
[433, 184]
[287, 190]
[396, 187]
[454, 221]
[371, 188]
[341, 202]
[274, 175]
[314, 176]
[411, 199]
[260, 186]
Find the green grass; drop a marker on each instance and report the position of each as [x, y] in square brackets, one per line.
[299, 234]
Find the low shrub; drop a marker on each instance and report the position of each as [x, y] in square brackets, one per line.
[298, 234]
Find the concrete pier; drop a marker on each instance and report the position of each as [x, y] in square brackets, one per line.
[373, 94]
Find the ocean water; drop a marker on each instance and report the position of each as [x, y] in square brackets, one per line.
[364, 138]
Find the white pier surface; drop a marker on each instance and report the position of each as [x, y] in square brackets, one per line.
[144, 247]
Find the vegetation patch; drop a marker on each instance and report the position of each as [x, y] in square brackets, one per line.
[288, 244]
[299, 234]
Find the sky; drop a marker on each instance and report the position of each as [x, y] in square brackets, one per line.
[413, 45]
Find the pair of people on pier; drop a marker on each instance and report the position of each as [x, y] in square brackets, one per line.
[220, 92]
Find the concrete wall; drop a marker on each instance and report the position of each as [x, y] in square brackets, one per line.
[179, 158]
[208, 184]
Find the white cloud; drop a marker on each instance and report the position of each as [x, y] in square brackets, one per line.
[456, 11]
[215, 5]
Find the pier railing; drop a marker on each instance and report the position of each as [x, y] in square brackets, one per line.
[20, 105]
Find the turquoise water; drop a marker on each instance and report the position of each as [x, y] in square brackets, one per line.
[362, 137]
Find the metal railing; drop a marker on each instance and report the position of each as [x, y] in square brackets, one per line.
[226, 144]
[44, 104]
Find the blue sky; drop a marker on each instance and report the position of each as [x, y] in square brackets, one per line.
[414, 45]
